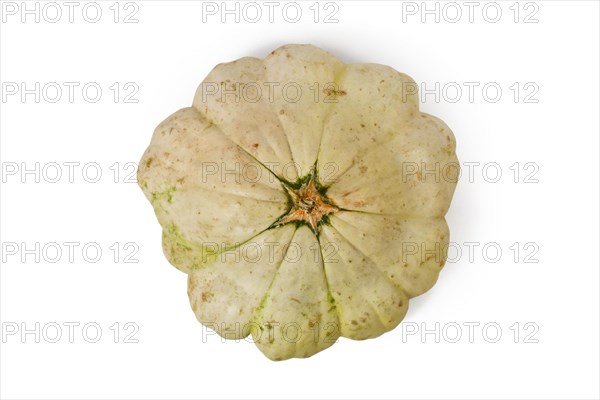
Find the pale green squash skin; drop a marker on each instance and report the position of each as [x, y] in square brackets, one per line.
[353, 277]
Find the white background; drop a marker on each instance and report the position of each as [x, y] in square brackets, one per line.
[166, 54]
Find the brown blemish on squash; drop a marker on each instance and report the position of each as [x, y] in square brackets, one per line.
[191, 285]
[334, 92]
[348, 193]
[207, 296]
[149, 162]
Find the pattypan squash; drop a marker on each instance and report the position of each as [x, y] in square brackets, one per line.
[303, 197]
